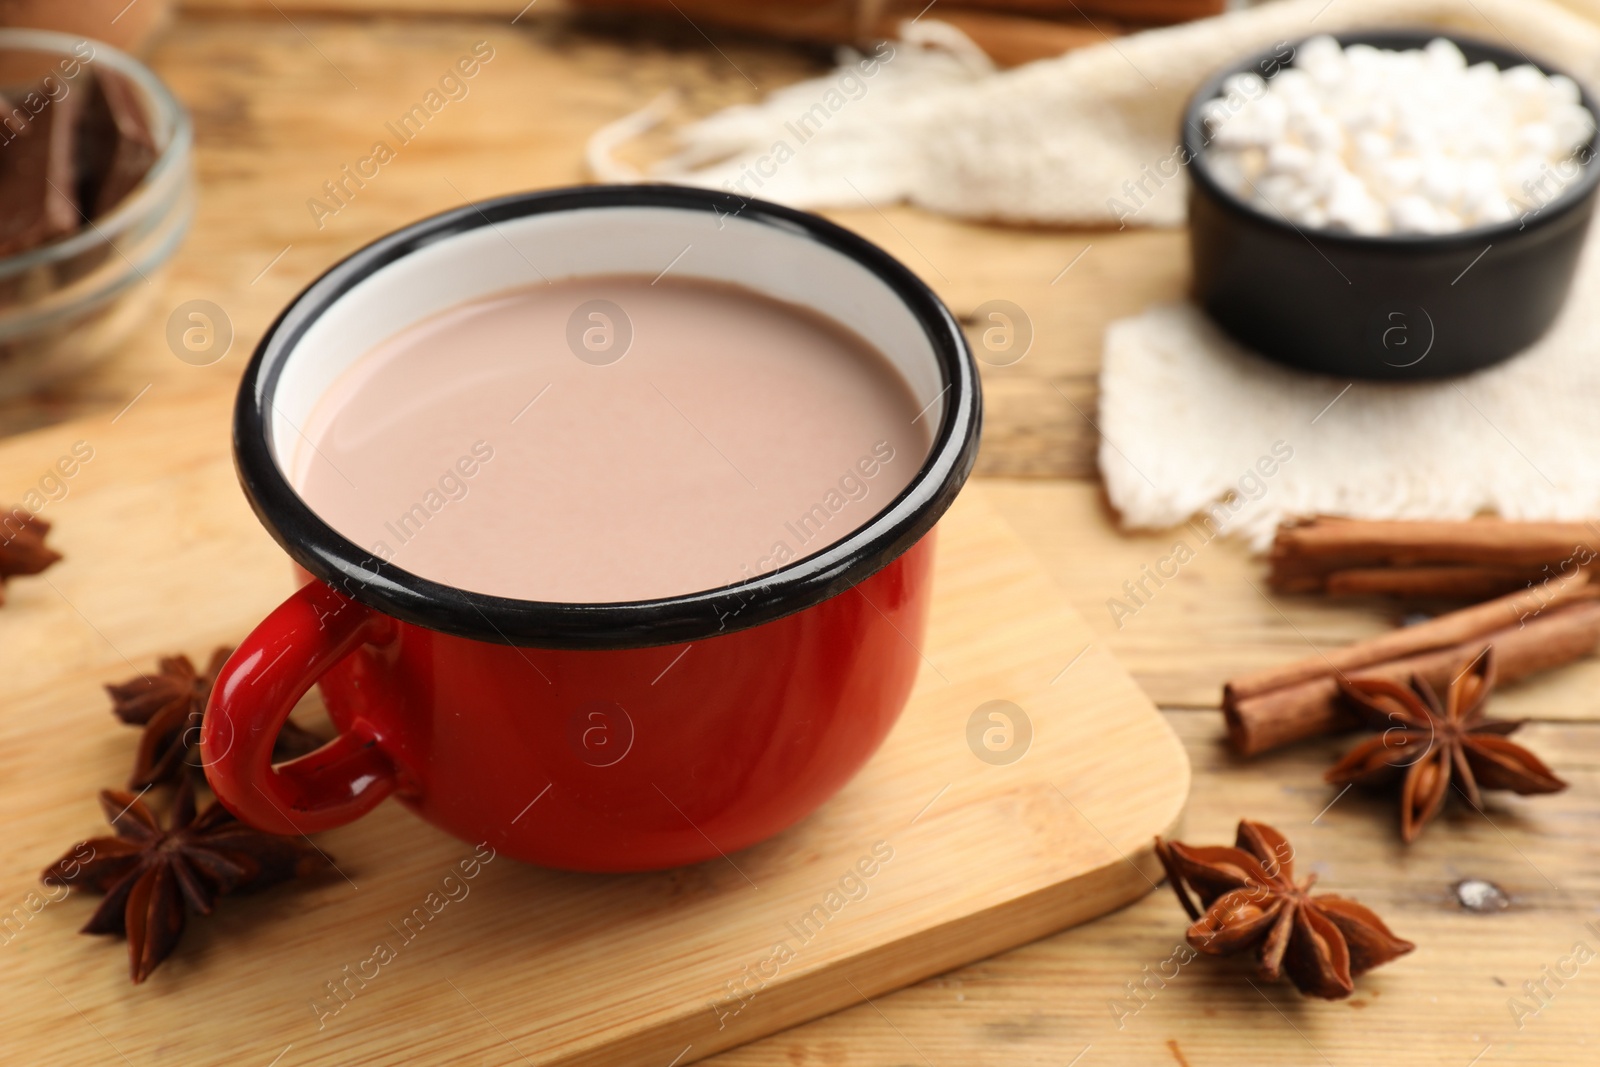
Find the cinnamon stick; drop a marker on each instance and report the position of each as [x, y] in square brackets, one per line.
[1456, 559]
[1149, 12]
[1011, 31]
[1011, 40]
[1452, 628]
[1312, 706]
[1447, 582]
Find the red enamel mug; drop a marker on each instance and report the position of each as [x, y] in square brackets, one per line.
[549, 729]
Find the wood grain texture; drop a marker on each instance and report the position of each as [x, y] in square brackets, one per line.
[1216, 619]
[1446, 1003]
[486, 9]
[162, 555]
[275, 119]
[281, 106]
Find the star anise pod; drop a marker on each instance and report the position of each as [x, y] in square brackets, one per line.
[1429, 745]
[22, 547]
[1250, 902]
[152, 878]
[170, 706]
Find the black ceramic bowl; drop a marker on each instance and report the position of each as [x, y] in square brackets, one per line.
[1395, 307]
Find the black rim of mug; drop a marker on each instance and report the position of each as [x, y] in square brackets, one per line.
[331, 558]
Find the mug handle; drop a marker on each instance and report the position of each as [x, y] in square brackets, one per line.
[251, 699]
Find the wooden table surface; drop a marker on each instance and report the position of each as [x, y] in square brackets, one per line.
[283, 94]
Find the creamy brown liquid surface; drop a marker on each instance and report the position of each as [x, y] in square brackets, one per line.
[504, 447]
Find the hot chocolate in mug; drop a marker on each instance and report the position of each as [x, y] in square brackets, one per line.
[614, 735]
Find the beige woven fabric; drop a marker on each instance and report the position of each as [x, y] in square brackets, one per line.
[1187, 417]
[1054, 141]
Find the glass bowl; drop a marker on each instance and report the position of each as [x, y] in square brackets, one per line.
[68, 305]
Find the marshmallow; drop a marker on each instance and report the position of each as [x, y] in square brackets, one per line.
[1376, 142]
[1413, 214]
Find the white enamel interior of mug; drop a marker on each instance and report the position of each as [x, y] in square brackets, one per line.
[768, 257]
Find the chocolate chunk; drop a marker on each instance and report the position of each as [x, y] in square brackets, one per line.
[37, 202]
[115, 146]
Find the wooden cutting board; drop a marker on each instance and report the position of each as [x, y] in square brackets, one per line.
[968, 855]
